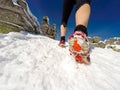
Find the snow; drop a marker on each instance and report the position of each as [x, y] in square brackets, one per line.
[34, 62]
[15, 3]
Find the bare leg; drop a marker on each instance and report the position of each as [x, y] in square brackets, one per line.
[63, 30]
[67, 8]
[82, 15]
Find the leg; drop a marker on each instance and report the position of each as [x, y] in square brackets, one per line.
[82, 14]
[63, 30]
[67, 8]
[78, 42]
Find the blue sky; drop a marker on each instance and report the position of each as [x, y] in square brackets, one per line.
[104, 19]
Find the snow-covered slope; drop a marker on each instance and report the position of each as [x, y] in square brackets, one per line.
[30, 62]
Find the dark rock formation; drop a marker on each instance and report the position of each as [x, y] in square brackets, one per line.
[16, 16]
[47, 30]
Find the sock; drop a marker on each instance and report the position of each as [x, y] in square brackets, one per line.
[81, 28]
[63, 38]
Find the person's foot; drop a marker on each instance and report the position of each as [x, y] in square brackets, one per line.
[79, 47]
[62, 43]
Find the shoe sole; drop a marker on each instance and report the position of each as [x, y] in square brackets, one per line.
[61, 45]
[82, 55]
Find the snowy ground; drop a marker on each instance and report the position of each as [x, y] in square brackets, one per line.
[30, 62]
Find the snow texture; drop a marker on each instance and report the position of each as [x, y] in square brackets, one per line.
[34, 62]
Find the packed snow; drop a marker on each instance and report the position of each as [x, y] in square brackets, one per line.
[34, 62]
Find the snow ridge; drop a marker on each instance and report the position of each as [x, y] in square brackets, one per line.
[34, 62]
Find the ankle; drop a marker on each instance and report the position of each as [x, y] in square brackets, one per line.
[81, 28]
[62, 38]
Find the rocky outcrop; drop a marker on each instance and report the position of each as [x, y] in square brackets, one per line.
[47, 30]
[16, 16]
[96, 42]
[109, 43]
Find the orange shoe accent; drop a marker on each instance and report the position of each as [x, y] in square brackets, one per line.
[76, 46]
[78, 58]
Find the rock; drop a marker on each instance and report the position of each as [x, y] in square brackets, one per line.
[118, 39]
[96, 39]
[114, 48]
[16, 16]
[101, 44]
[94, 44]
[45, 20]
[118, 42]
[111, 41]
[47, 30]
[44, 29]
[90, 40]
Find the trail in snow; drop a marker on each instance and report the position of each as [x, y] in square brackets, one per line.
[30, 62]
